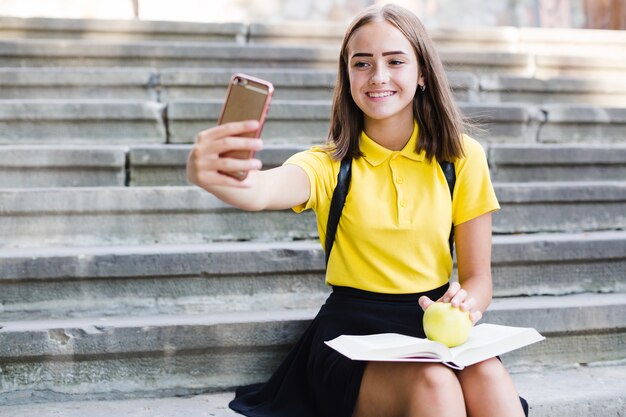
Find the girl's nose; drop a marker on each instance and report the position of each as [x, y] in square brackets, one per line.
[380, 75]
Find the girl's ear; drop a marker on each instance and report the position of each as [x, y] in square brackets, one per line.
[420, 84]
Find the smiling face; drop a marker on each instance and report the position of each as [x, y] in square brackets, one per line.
[383, 73]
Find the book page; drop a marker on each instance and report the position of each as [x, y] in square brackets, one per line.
[489, 340]
[485, 341]
[388, 346]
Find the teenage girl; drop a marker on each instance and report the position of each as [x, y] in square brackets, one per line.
[394, 114]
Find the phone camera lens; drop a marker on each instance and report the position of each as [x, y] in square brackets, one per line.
[241, 81]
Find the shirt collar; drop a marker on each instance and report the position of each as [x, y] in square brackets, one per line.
[376, 154]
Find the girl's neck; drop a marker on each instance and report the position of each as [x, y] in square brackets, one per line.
[390, 133]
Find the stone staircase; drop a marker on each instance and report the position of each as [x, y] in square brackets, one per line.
[120, 282]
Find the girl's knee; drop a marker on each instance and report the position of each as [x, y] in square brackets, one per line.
[489, 390]
[436, 389]
[409, 389]
[485, 370]
[436, 382]
[434, 377]
[401, 389]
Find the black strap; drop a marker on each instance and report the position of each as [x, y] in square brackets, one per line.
[341, 191]
[337, 202]
[450, 174]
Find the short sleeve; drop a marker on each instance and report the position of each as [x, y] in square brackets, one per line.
[473, 192]
[320, 168]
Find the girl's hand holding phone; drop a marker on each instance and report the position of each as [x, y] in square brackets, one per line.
[209, 158]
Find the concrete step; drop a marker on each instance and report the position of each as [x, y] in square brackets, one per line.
[302, 84]
[45, 166]
[291, 84]
[176, 215]
[79, 83]
[32, 166]
[120, 30]
[156, 165]
[210, 83]
[103, 53]
[120, 357]
[106, 122]
[300, 122]
[137, 215]
[560, 206]
[572, 88]
[532, 39]
[583, 391]
[509, 39]
[583, 123]
[495, 38]
[288, 122]
[164, 54]
[153, 165]
[557, 162]
[103, 281]
[530, 64]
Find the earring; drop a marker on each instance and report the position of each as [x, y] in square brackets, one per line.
[423, 87]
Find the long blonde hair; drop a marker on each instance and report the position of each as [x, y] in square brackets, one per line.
[440, 122]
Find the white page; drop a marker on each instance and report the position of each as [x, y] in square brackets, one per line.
[386, 346]
[489, 340]
[485, 341]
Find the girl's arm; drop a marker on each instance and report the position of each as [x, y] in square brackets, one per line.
[275, 189]
[473, 252]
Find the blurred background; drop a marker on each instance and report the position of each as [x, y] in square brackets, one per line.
[595, 14]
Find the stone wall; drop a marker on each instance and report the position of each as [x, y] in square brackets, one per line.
[434, 13]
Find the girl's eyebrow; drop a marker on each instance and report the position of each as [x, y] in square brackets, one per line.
[360, 54]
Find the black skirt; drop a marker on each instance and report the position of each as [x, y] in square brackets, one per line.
[315, 380]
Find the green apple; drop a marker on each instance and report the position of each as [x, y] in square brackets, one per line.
[446, 324]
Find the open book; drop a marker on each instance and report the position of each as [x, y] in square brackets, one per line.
[485, 341]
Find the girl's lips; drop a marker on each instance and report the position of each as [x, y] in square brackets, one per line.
[380, 94]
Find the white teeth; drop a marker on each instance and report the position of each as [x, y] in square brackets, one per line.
[381, 94]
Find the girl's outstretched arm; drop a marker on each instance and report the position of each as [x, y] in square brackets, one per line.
[275, 189]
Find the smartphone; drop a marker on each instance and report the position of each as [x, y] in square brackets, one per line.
[247, 98]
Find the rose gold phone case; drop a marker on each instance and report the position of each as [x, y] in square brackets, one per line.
[247, 98]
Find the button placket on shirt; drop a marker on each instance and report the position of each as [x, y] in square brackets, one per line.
[400, 186]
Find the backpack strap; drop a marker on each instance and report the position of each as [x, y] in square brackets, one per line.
[341, 191]
[337, 202]
[450, 174]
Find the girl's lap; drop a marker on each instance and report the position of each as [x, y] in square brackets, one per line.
[336, 380]
[399, 388]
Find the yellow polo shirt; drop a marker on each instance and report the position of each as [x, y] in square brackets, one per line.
[393, 233]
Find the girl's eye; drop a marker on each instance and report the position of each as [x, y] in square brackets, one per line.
[360, 64]
[396, 62]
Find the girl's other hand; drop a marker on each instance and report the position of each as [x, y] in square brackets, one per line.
[205, 165]
[458, 297]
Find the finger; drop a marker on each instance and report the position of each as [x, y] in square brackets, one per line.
[452, 290]
[475, 316]
[235, 164]
[210, 173]
[468, 304]
[217, 178]
[228, 129]
[216, 146]
[458, 298]
[425, 302]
